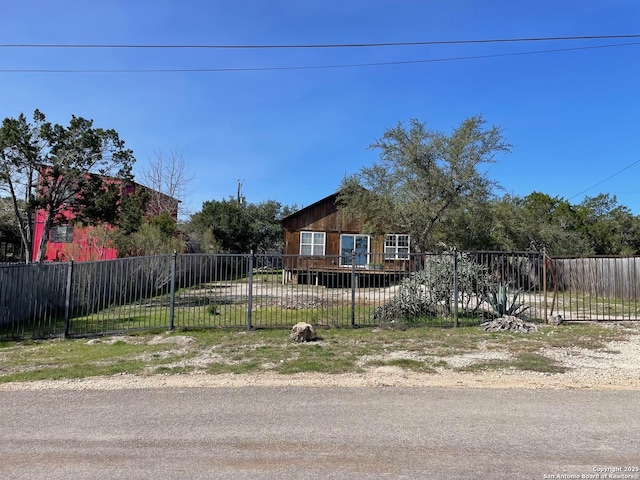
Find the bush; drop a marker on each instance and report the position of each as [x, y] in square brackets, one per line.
[411, 301]
[430, 291]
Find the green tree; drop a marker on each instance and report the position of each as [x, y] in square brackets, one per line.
[79, 169]
[535, 222]
[424, 179]
[468, 227]
[133, 208]
[154, 236]
[610, 228]
[239, 227]
[9, 233]
[20, 151]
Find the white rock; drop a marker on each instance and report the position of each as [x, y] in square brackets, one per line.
[303, 332]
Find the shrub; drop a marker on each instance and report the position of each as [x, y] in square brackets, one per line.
[504, 302]
[431, 291]
[411, 301]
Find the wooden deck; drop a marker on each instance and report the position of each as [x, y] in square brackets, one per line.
[327, 272]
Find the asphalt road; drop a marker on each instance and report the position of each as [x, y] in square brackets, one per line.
[298, 432]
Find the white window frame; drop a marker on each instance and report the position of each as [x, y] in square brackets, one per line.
[392, 249]
[314, 236]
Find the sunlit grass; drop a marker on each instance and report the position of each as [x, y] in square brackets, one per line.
[526, 361]
[337, 350]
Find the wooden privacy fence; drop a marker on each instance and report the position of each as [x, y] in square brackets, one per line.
[277, 291]
[594, 288]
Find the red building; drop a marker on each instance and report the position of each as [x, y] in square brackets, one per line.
[71, 241]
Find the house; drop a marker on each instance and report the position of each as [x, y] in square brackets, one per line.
[322, 246]
[71, 241]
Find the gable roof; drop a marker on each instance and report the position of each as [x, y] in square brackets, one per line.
[303, 211]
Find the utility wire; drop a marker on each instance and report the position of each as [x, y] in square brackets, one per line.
[325, 45]
[309, 67]
[602, 181]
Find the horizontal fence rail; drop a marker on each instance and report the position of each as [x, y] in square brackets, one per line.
[277, 291]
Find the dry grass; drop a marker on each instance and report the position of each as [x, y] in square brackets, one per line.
[337, 350]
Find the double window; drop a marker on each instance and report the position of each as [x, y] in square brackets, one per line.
[61, 234]
[312, 243]
[396, 247]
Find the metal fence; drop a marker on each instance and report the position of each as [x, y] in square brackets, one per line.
[275, 291]
[594, 288]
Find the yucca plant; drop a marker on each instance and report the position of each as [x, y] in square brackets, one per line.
[503, 302]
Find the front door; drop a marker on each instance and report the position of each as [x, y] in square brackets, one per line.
[357, 243]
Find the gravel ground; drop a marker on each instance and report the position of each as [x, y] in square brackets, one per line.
[617, 366]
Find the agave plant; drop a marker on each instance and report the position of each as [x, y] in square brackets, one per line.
[503, 302]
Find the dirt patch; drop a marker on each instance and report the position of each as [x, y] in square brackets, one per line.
[180, 340]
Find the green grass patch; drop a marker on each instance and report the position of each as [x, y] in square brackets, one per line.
[250, 366]
[57, 359]
[602, 306]
[317, 358]
[534, 362]
[337, 350]
[531, 362]
[74, 371]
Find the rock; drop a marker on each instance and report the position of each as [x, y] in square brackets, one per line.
[303, 332]
[555, 320]
[508, 323]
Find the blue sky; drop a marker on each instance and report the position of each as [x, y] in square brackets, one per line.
[291, 135]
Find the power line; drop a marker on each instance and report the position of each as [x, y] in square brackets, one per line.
[309, 67]
[602, 181]
[321, 45]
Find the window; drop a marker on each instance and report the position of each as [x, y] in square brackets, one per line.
[312, 243]
[396, 247]
[354, 243]
[61, 234]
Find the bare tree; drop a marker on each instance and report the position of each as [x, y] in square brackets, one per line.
[168, 175]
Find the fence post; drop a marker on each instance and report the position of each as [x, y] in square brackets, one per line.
[353, 288]
[172, 290]
[250, 299]
[544, 284]
[455, 287]
[67, 300]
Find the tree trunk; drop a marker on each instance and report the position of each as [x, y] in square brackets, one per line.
[44, 239]
[23, 225]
